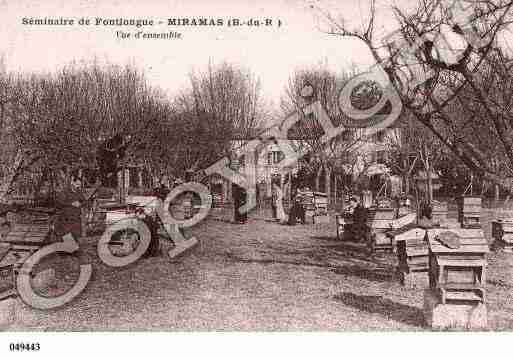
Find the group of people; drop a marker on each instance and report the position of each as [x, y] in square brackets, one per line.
[297, 210]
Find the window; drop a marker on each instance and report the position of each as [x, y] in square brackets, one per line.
[277, 156]
[133, 173]
[274, 157]
[347, 136]
[381, 157]
[242, 161]
[379, 137]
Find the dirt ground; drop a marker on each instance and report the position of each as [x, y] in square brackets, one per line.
[258, 276]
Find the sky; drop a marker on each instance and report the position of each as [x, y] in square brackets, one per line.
[271, 53]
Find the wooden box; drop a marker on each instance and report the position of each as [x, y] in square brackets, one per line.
[321, 219]
[380, 221]
[502, 232]
[439, 212]
[458, 274]
[380, 241]
[381, 218]
[440, 316]
[469, 211]
[412, 250]
[366, 199]
[383, 239]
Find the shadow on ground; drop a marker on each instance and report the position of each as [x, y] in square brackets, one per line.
[372, 274]
[378, 305]
[380, 274]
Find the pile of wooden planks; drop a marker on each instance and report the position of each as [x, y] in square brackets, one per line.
[16, 246]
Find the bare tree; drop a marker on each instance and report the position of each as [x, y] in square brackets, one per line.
[431, 80]
[338, 157]
[222, 104]
[62, 118]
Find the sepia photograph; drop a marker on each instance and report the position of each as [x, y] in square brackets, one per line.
[241, 166]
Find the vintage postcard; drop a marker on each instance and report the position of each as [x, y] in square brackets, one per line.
[244, 166]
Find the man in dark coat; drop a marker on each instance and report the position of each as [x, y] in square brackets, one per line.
[236, 202]
[243, 201]
[239, 199]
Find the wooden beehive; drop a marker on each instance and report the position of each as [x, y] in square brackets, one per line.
[366, 199]
[458, 274]
[502, 232]
[381, 218]
[379, 222]
[412, 249]
[439, 212]
[469, 211]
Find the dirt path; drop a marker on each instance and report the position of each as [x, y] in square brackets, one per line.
[258, 276]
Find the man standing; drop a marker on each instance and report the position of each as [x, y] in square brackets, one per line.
[274, 200]
[236, 197]
[243, 200]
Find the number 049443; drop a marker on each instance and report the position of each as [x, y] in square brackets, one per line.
[24, 347]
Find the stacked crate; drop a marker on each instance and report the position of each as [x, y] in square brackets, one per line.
[379, 222]
[469, 211]
[16, 246]
[366, 199]
[439, 212]
[321, 208]
[502, 232]
[412, 252]
[457, 278]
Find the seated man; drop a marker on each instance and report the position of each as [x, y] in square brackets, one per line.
[296, 211]
[353, 203]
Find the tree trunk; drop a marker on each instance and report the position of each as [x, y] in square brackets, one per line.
[429, 179]
[335, 184]
[318, 179]
[429, 185]
[13, 173]
[407, 184]
[327, 183]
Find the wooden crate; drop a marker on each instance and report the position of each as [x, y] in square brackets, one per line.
[412, 249]
[502, 233]
[439, 212]
[381, 218]
[379, 222]
[469, 211]
[366, 199]
[383, 239]
[458, 275]
[379, 241]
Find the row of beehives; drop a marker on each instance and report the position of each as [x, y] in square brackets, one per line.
[380, 221]
[451, 255]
